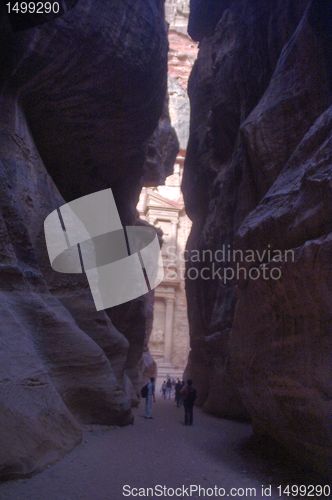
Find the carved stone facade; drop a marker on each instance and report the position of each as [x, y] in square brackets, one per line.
[163, 207]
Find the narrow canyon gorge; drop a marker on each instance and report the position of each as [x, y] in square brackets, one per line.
[94, 98]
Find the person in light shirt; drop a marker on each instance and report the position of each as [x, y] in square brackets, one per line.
[150, 398]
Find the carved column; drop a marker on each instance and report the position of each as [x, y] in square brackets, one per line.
[169, 313]
[174, 232]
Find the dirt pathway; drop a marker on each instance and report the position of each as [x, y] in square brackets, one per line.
[161, 451]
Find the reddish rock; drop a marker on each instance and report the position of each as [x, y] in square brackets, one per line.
[81, 96]
[182, 55]
[258, 173]
[181, 58]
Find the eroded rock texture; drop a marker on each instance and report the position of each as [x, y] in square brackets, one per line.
[182, 55]
[259, 173]
[81, 95]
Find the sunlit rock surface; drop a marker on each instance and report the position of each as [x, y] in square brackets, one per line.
[80, 98]
[258, 173]
[182, 55]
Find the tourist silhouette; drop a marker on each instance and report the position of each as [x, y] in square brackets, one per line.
[169, 388]
[178, 389]
[163, 389]
[189, 395]
[148, 392]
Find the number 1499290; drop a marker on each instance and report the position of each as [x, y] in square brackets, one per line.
[33, 7]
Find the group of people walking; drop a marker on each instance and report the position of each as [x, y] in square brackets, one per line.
[184, 394]
[171, 388]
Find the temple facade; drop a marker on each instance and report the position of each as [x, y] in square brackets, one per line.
[163, 207]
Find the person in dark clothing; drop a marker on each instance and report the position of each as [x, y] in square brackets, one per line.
[164, 389]
[178, 388]
[169, 388]
[189, 395]
[149, 398]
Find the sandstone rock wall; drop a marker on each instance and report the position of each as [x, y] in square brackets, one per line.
[182, 55]
[80, 99]
[259, 173]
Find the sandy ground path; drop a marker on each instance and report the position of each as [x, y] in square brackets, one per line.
[159, 451]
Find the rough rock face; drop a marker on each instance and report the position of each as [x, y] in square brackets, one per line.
[259, 173]
[161, 151]
[182, 55]
[80, 98]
